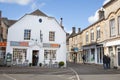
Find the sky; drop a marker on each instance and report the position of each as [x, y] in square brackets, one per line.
[75, 13]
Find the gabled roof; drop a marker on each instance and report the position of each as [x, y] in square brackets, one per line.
[8, 22]
[11, 22]
[38, 12]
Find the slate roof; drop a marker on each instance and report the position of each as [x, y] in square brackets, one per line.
[38, 12]
[8, 22]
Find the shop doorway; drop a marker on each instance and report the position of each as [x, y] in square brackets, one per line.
[111, 56]
[74, 57]
[92, 55]
[35, 57]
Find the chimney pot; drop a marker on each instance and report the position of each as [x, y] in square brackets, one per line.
[79, 30]
[61, 20]
[101, 14]
[73, 30]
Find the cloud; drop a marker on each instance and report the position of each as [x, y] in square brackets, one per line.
[68, 31]
[42, 4]
[106, 1]
[20, 2]
[93, 18]
[33, 6]
[36, 5]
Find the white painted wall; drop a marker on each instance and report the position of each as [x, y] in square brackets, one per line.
[16, 33]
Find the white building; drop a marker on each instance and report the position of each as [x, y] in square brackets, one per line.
[36, 34]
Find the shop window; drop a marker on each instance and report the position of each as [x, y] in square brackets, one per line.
[49, 54]
[19, 55]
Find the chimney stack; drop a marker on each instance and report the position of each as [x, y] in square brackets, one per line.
[101, 14]
[79, 30]
[73, 30]
[61, 20]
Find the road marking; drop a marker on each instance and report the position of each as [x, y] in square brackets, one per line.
[9, 77]
[72, 77]
[57, 72]
[78, 78]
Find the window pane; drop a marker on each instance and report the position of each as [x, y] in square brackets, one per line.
[92, 35]
[112, 27]
[51, 36]
[87, 37]
[19, 54]
[27, 34]
[119, 25]
[98, 32]
[50, 54]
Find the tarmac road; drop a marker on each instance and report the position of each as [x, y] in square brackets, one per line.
[94, 72]
[36, 73]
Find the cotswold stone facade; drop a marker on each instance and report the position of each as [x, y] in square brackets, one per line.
[100, 38]
[5, 23]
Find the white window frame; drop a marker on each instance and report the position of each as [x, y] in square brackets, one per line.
[52, 36]
[119, 25]
[112, 27]
[27, 34]
[98, 33]
[50, 54]
[87, 37]
[92, 35]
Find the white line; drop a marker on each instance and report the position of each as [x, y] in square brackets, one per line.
[71, 77]
[78, 78]
[9, 77]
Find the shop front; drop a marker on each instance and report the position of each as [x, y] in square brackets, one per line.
[90, 53]
[2, 52]
[19, 52]
[94, 53]
[112, 49]
[74, 55]
[34, 54]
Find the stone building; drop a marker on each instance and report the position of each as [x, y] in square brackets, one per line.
[5, 23]
[100, 38]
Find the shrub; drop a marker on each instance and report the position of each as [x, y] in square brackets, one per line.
[30, 64]
[40, 64]
[61, 63]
